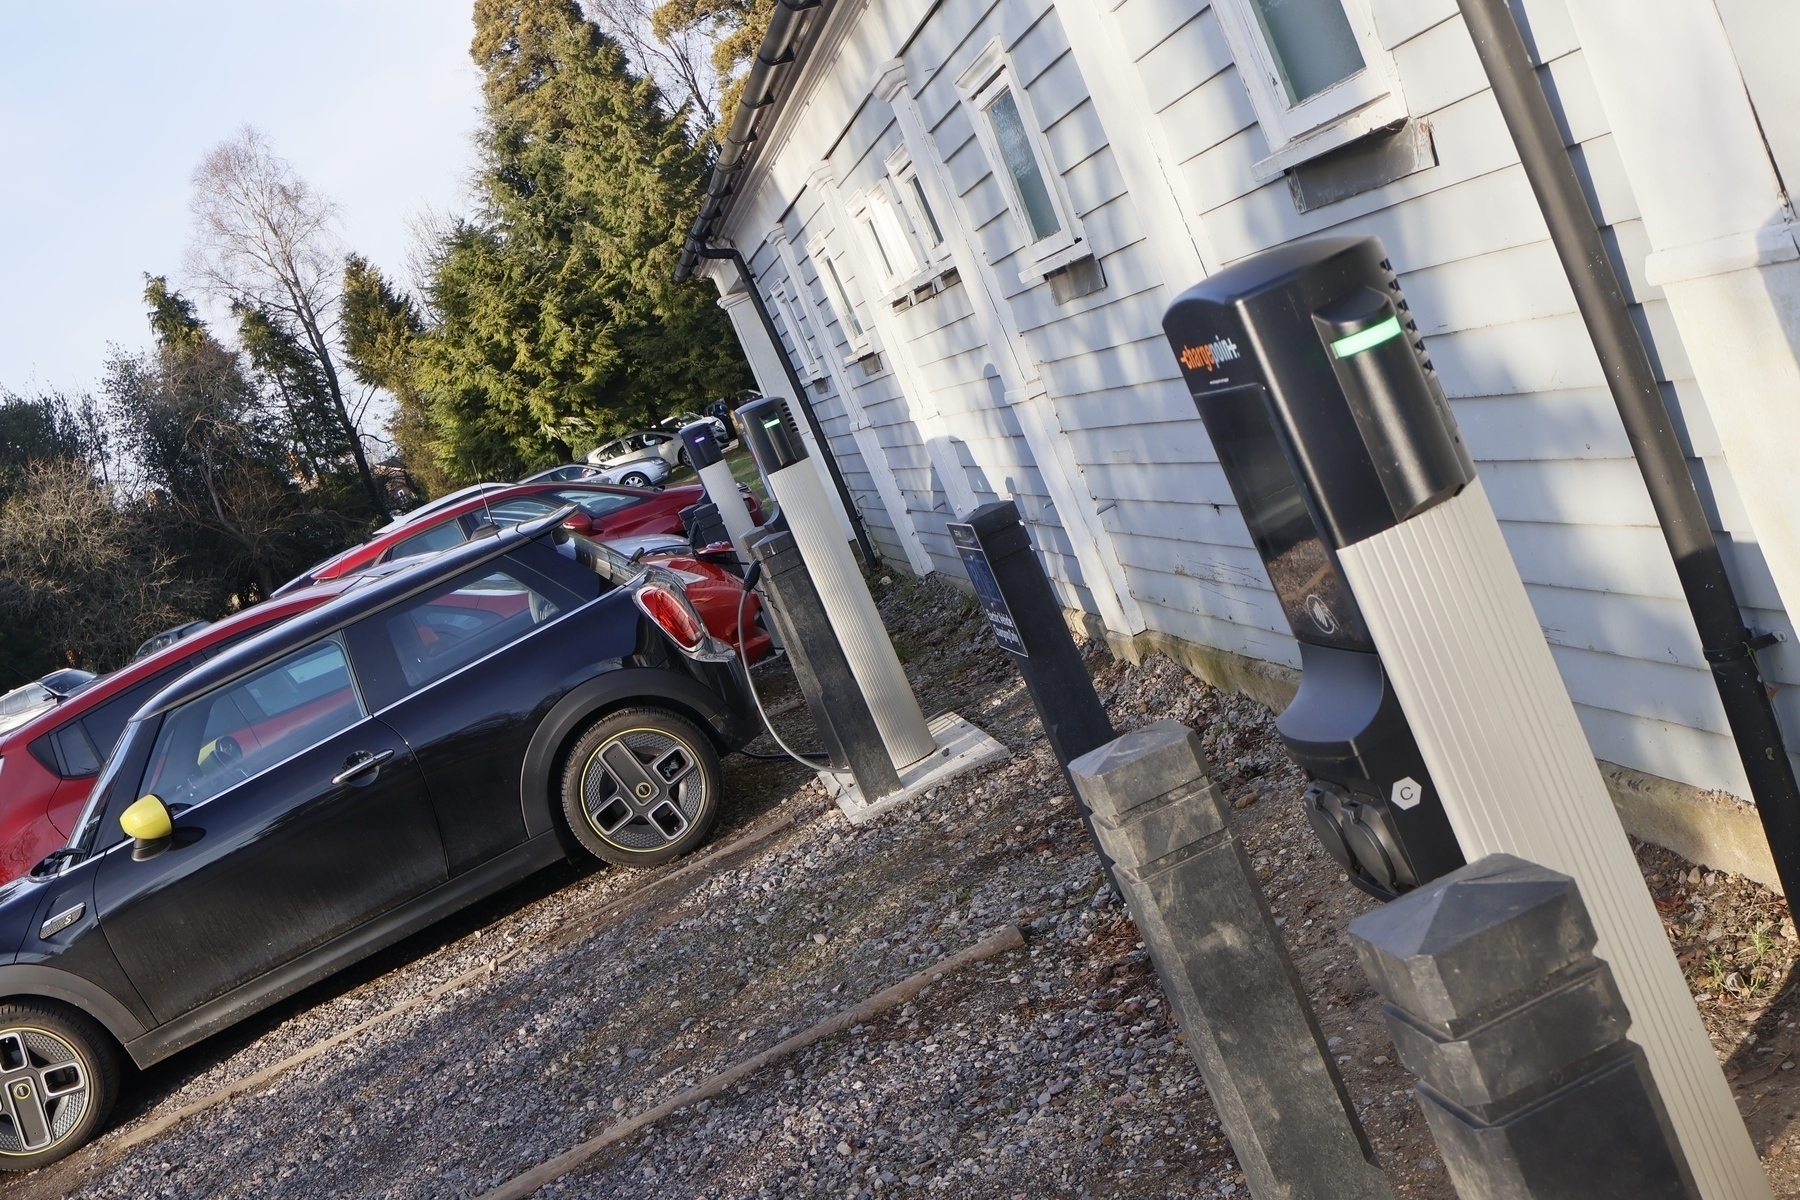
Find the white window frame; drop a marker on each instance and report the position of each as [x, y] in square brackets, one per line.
[904, 178]
[979, 86]
[889, 244]
[1365, 101]
[818, 248]
[793, 315]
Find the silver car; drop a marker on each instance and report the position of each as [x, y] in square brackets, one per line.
[637, 472]
[644, 444]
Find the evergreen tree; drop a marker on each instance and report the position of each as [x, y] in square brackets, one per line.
[555, 318]
[381, 332]
[736, 28]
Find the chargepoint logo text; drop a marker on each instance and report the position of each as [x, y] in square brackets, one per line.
[1209, 356]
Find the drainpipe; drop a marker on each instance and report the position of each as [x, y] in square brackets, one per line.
[801, 401]
[1730, 648]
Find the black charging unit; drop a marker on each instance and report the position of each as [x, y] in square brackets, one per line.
[1312, 379]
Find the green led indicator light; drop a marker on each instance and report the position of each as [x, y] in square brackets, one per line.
[771, 422]
[1369, 338]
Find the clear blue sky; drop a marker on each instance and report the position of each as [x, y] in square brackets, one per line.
[107, 105]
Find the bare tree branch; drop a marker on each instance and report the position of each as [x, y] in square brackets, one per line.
[681, 66]
[263, 238]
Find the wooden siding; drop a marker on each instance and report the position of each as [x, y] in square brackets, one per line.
[1473, 255]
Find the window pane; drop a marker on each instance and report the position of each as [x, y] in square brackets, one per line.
[474, 617]
[1311, 42]
[438, 537]
[107, 721]
[79, 759]
[937, 235]
[887, 265]
[520, 508]
[597, 504]
[1022, 165]
[845, 311]
[214, 741]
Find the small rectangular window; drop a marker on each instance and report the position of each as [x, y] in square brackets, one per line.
[1022, 165]
[887, 264]
[846, 312]
[1316, 73]
[931, 221]
[1312, 44]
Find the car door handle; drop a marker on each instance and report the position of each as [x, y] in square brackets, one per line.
[361, 764]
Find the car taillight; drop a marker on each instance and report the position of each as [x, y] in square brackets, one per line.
[673, 614]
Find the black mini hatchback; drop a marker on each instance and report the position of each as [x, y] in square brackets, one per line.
[342, 780]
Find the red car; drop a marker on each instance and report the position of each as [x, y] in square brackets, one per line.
[603, 512]
[715, 592]
[48, 764]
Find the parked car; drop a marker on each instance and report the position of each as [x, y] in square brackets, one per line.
[167, 638]
[335, 783]
[23, 703]
[645, 443]
[640, 472]
[601, 512]
[48, 765]
[715, 592]
[676, 424]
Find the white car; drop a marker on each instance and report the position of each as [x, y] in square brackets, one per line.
[638, 472]
[646, 443]
[22, 704]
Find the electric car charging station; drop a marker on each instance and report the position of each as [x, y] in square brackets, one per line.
[708, 460]
[1371, 799]
[1378, 535]
[922, 754]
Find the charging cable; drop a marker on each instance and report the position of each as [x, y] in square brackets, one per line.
[806, 760]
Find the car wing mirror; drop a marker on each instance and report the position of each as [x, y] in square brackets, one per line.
[147, 822]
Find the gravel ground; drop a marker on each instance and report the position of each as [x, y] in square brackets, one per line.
[1054, 1071]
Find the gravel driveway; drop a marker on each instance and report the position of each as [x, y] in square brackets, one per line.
[1049, 1071]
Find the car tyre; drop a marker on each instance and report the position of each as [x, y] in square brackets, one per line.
[641, 786]
[636, 479]
[61, 1072]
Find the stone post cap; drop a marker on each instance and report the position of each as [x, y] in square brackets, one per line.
[1453, 952]
[1138, 767]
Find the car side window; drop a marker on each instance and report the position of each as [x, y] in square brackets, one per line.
[598, 504]
[77, 750]
[240, 729]
[402, 649]
[520, 508]
[430, 541]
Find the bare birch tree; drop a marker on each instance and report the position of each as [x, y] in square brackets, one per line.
[265, 239]
[680, 63]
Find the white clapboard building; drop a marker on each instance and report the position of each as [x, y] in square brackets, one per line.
[966, 218]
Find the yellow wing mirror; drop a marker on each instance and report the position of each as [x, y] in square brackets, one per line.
[147, 820]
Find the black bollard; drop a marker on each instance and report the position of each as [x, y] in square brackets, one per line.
[832, 695]
[1028, 623]
[1517, 1035]
[1223, 964]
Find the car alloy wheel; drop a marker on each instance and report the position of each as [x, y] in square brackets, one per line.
[58, 1078]
[641, 787]
[636, 479]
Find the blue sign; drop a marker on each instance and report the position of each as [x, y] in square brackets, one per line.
[987, 589]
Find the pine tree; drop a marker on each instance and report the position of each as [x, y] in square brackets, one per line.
[382, 328]
[555, 316]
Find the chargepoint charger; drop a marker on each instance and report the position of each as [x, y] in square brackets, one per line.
[915, 754]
